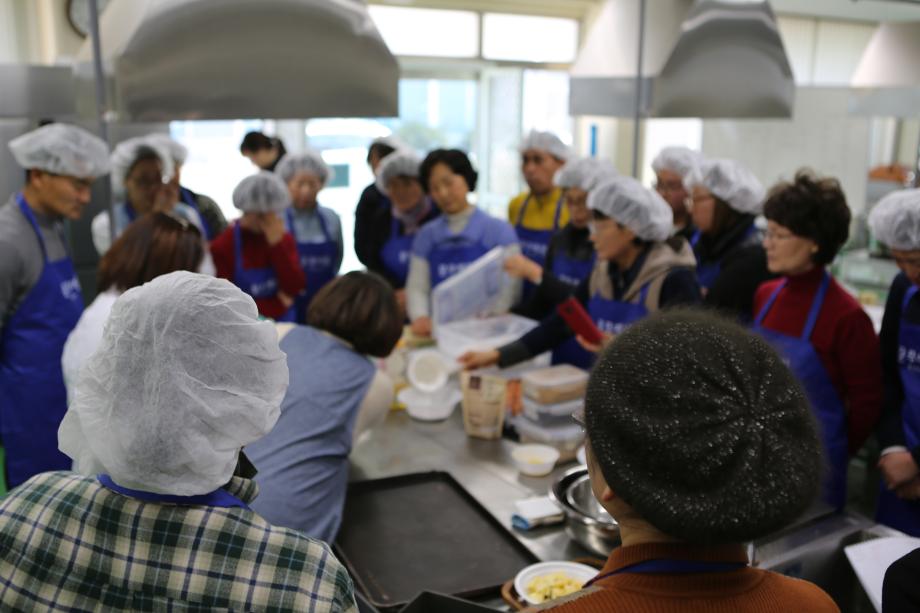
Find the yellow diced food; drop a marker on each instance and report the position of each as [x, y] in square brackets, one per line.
[551, 586]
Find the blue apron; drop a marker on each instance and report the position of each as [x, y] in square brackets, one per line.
[186, 196]
[904, 515]
[218, 498]
[708, 273]
[33, 398]
[454, 252]
[317, 261]
[257, 282]
[671, 567]
[396, 252]
[534, 243]
[801, 357]
[570, 270]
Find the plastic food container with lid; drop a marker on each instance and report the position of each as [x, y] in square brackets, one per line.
[551, 414]
[566, 438]
[556, 384]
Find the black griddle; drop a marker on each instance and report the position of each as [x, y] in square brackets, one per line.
[423, 532]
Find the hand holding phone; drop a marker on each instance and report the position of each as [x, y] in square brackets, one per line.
[578, 319]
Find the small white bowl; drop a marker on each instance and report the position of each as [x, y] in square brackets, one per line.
[579, 572]
[535, 460]
[581, 455]
[429, 370]
[429, 406]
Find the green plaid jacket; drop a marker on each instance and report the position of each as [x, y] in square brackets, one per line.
[69, 544]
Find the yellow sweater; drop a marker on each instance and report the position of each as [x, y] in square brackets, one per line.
[540, 212]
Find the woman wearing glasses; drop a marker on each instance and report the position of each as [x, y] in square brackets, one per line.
[821, 330]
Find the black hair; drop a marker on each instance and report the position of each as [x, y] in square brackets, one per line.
[454, 159]
[256, 141]
[381, 150]
[812, 207]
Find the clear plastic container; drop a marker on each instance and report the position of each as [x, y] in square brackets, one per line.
[481, 334]
[556, 384]
[551, 414]
[473, 291]
[566, 438]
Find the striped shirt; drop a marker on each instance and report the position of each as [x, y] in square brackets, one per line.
[69, 544]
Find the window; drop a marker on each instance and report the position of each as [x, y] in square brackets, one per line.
[529, 39]
[427, 32]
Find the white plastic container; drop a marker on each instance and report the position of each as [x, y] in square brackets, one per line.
[535, 460]
[551, 414]
[566, 438]
[435, 406]
[472, 292]
[429, 369]
[481, 334]
[556, 384]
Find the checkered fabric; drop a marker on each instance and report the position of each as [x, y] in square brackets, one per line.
[69, 544]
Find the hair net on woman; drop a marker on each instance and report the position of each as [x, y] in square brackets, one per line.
[262, 192]
[397, 164]
[127, 153]
[62, 149]
[680, 160]
[895, 220]
[584, 173]
[730, 182]
[177, 150]
[186, 376]
[545, 141]
[310, 161]
[627, 202]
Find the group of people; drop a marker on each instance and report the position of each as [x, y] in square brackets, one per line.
[144, 426]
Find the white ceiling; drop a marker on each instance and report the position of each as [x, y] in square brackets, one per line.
[861, 10]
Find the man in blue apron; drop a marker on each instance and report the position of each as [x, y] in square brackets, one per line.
[316, 229]
[895, 222]
[40, 297]
[539, 212]
[186, 376]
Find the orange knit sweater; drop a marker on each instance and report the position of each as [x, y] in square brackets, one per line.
[746, 590]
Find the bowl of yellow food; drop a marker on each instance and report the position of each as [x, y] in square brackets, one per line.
[535, 460]
[545, 581]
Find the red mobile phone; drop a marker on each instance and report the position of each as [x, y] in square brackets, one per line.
[578, 319]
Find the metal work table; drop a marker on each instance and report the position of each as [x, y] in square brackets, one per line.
[402, 445]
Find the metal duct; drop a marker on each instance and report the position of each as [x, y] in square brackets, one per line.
[227, 59]
[726, 61]
[887, 80]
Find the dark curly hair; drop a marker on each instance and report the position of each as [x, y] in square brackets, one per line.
[454, 159]
[812, 207]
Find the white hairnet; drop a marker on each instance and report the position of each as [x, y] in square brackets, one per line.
[177, 150]
[262, 192]
[584, 173]
[545, 141]
[126, 155]
[680, 160]
[310, 161]
[730, 182]
[400, 163]
[895, 220]
[627, 202]
[186, 376]
[62, 149]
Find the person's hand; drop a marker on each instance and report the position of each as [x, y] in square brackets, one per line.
[272, 227]
[165, 199]
[521, 267]
[898, 468]
[472, 360]
[421, 326]
[909, 491]
[594, 347]
[286, 301]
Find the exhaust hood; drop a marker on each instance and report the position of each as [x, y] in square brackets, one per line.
[714, 59]
[228, 59]
[887, 80]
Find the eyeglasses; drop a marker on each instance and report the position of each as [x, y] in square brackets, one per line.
[76, 182]
[670, 186]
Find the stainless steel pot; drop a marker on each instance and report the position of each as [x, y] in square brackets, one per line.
[586, 522]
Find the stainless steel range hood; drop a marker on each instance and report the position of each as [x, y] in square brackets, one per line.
[887, 81]
[722, 60]
[227, 59]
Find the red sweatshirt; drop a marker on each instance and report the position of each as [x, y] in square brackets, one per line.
[844, 339]
[744, 590]
[258, 254]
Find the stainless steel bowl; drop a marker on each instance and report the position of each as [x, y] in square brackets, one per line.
[586, 522]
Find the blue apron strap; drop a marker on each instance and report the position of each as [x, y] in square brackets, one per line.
[289, 219]
[27, 212]
[816, 305]
[322, 225]
[394, 227]
[672, 567]
[908, 295]
[695, 238]
[237, 247]
[643, 293]
[129, 211]
[218, 498]
[520, 217]
[559, 204]
[769, 304]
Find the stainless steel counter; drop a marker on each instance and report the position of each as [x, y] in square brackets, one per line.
[403, 445]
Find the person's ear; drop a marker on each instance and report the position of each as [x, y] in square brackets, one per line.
[607, 495]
